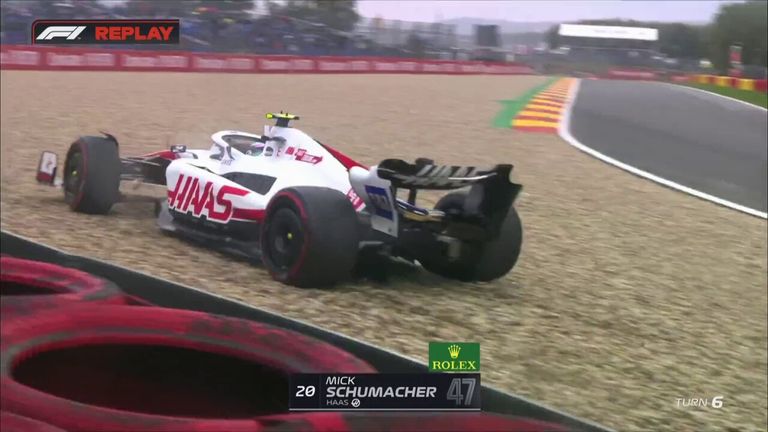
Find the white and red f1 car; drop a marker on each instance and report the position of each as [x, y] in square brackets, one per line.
[304, 209]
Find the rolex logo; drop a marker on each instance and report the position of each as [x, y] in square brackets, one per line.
[444, 357]
[454, 350]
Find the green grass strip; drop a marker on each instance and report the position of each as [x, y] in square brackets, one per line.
[511, 107]
[751, 96]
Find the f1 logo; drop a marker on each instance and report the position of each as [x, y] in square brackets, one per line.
[68, 32]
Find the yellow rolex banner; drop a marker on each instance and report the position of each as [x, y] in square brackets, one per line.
[454, 357]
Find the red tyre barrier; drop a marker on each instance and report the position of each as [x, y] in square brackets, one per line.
[437, 422]
[30, 285]
[16, 423]
[761, 85]
[118, 368]
[407, 422]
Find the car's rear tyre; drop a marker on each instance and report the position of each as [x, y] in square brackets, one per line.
[310, 237]
[92, 175]
[479, 261]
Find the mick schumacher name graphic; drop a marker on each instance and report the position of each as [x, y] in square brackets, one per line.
[385, 392]
[349, 389]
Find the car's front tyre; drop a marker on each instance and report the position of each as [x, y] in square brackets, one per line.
[92, 175]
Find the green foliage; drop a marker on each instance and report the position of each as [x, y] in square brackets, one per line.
[744, 24]
[753, 97]
[178, 8]
[336, 14]
[415, 45]
[227, 5]
[681, 40]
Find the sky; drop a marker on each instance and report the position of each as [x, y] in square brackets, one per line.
[541, 10]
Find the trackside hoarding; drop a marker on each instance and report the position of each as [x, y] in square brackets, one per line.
[27, 57]
[609, 32]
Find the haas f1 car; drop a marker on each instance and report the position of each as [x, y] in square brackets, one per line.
[306, 210]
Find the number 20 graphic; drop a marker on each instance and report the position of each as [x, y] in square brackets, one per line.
[305, 391]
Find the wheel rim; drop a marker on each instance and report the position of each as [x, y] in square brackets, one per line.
[73, 175]
[285, 239]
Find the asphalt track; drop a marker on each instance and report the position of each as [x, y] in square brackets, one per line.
[699, 140]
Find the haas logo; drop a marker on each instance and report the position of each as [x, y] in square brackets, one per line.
[199, 197]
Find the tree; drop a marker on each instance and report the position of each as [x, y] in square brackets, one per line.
[681, 41]
[744, 24]
[337, 14]
[552, 37]
[415, 45]
[180, 8]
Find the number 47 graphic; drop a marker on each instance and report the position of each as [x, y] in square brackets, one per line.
[455, 391]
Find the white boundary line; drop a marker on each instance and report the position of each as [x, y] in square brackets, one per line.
[716, 94]
[565, 133]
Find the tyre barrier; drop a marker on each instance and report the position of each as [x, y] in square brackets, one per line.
[118, 368]
[468, 422]
[406, 422]
[26, 286]
[10, 422]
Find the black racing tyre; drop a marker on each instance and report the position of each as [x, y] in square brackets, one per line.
[310, 237]
[92, 175]
[480, 261]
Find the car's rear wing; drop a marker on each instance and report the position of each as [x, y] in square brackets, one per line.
[490, 196]
[437, 177]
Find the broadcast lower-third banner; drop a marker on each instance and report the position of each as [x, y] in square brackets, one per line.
[385, 392]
